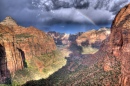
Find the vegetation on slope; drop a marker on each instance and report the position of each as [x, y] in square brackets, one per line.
[23, 35]
[89, 50]
[93, 75]
[52, 62]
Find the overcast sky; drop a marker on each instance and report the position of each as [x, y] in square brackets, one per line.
[48, 14]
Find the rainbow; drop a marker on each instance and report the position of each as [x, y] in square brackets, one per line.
[86, 17]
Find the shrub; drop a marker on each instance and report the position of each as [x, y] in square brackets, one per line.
[51, 63]
[23, 35]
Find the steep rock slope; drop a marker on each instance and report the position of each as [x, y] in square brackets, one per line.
[63, 38]
[93, 38]
[119, 43]
[19, 46]
[59, 38]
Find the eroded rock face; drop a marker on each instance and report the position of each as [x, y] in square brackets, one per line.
[63, 38]
[19, 45]
[33, 41]
[8, 21]
[93, 38]
[118, 43]
[11, 59]
[59, 38]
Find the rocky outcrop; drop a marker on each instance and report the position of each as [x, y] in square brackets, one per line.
[118, 43]
[93, 38]
[59, 38]
[63, 38]
[33, 41]
[11, 60]
[18, 45]
[8, 21]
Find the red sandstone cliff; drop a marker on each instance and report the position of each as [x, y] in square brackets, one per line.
[93, 37]
[115, 50]
[18, 44]
[118, 43]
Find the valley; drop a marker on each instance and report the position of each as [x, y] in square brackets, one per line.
[41, 58]
[109, 66]
[31, 57]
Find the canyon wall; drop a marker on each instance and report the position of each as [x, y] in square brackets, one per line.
[18, 45]
[118, 44]
[93, 38]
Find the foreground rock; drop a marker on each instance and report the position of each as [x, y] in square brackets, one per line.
[119, 43]
[19, 45]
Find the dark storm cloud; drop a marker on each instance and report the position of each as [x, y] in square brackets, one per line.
[117, 6]
[48, 12]
[48, 5]
[78, 16]
[102, 4]
[111, 5]
[57, 4]
[65, 10]
[79, 4]
[21, 10]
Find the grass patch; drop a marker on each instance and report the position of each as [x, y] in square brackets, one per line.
[1, 35]
[40, 67]
[23, 35]
[93, 75]
[5, 85]
[89, 50]
[52, 62]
